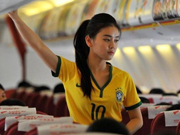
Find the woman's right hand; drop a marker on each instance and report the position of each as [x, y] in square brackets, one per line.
[13, 14]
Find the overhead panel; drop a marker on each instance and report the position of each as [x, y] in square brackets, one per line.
[74, 17]
[30, 7]
[62, 21]
[50, 23]
[10, 5]
[139, 12]
[36, 7]
[115, 8]
[58, 3]
[47, 24]
[166, 9]
[89, 9]
[119, 11]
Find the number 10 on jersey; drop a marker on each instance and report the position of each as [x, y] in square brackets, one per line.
[95, 111]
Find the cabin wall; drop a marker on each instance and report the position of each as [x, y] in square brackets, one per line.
[152, 68]
[37, 72]
[10, 66]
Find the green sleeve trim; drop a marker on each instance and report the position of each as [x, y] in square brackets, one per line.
[56, 74]
[134, 106]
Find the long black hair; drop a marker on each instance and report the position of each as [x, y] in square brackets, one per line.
[91, 28]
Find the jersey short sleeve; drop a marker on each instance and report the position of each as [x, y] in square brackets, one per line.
[132, 99]
[65, 69]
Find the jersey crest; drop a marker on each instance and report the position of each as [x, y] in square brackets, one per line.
[119, 95]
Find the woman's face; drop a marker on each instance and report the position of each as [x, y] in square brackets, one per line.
[105, 43]
[2, 95]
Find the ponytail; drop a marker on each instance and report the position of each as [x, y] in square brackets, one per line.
[81, 55]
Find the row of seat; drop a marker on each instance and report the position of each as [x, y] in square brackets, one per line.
[9, 130]
[43, 102]
[37, 123]
[159, 98]
[46, 104]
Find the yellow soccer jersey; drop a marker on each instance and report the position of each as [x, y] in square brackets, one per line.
[105, 102]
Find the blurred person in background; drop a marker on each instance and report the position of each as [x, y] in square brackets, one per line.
[12, 102]
[2, 93]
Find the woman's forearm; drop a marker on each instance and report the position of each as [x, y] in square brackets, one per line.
[133, 125]
[34, 41]
[29, 36]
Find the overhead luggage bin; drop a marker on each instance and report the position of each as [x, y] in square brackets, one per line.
[9, 5]
[139, 12]
[74, 18]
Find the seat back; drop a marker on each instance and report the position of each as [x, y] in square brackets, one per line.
[10, 93]
[61, 108]
[42, 102]
[40, 112]
[25, 97]
[59, 129]
[32, 132]
[32, 99]
[50, 107]
[19, 95]
[2, 124]
[13, 130]
[178, 129]
[158, 124]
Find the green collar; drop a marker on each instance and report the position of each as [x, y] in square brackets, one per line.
[110, 77]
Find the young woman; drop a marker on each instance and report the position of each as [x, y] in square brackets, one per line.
[94, 88]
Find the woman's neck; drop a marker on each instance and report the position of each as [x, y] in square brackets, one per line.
[96, 65]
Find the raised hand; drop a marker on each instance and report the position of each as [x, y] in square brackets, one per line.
[13, 14]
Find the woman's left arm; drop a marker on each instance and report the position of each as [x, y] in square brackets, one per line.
[136, 121]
